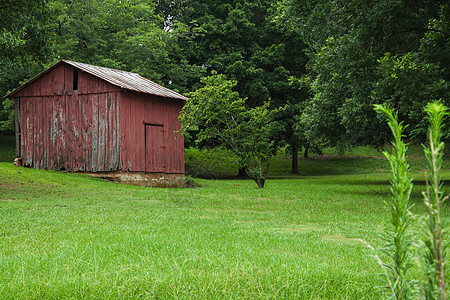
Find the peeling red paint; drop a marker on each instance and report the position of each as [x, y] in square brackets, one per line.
[97, 128]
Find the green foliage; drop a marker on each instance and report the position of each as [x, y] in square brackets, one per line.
[25, 47]
[350, 71]
[124, 35]
[7, 149]
[349, 55]
[404, 81]
[219, 117]
[431, 250]
[241, 40]
[7, 115]
[398, 239]
[434, 251]
[215, 163]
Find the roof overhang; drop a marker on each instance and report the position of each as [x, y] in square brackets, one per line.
[125, 80]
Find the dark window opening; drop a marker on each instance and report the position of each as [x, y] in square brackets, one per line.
[75, 80]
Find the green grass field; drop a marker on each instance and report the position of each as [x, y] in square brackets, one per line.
[66, 235]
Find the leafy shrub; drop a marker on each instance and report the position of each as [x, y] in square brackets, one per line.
[210, 163]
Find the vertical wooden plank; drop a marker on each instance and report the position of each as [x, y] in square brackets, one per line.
[44, 131]
[76, 132]
[170, 138]
[112, 136]
[114, 160]
[95, 133]
[30, 126]
[136, 145]
[88, 131]
[178, 149]
[135, 121]
[80, 151]
[68, 155]
[29, 133]
[118, 134]
[175, 145]
[53, 119]
[115, 132]
[165, 135]
[105, 115]
[23, 138]
[180, 145]
[41, 131]
[125, 132]
[101, 129]
[178, 142]
[52, 133]
[34, 120]
[107, 157]
[18, 127]
[61, 133]
[38, 133]
[143, 113]
[71, 117]
[68, 79]
[83, 133]
[54, 111]
[154, 151]
[93, 84]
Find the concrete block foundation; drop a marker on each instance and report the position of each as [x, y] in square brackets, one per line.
[144, 179]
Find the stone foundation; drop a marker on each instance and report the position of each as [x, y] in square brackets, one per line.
[144, 179]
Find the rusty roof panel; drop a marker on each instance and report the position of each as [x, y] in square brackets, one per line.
[127, 80]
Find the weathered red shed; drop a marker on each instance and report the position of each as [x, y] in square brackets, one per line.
[83, 118]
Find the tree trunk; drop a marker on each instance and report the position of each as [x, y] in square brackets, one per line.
[260, 176]
[295, 160]
[260, 182]
[242, 173]
[305, 154]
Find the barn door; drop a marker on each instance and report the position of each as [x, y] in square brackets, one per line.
[155, 158]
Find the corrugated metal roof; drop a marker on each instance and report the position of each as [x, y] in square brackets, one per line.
[127, 80]
[123, 79]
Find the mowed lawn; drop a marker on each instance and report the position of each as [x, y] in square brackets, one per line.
[68, 235]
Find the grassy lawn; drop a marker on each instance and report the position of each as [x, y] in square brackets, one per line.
[68, 235]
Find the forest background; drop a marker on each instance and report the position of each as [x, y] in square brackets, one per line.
[321, 64]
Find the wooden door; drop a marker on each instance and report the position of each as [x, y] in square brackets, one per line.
[155, 158]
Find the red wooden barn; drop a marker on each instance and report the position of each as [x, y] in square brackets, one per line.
[83, 118]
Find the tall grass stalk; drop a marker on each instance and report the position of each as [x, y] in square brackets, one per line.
[396, 236]
[433, 254]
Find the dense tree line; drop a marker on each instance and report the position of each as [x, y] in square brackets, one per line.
[371, 52]
[321, 65]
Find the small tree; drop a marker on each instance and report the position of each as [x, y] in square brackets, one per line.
[219, 115]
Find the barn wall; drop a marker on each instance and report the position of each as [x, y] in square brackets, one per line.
[83, 130]
[137, 110]
[50, 84]
[59, 81]
[63, 130]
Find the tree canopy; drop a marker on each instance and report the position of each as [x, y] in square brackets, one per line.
[218, 114]
[320, 64]
[371, 52]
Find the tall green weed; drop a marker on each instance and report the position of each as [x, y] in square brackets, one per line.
[400, 246]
